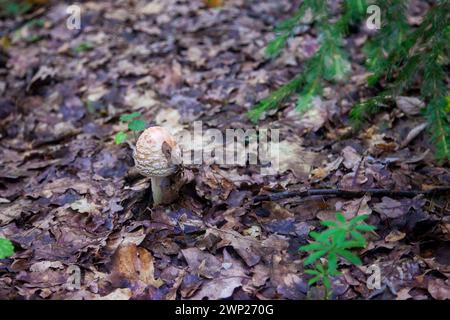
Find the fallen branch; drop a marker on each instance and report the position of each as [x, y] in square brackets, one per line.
[352, 193]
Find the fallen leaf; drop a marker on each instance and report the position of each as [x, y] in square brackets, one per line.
[292, 156]
[354, 208]
[351, 157]
[202, 263]
[323, 172]
[83, 206]
[154, 7]
[413, 134]
[403, 294]
[133, 266]
[390, 208]
[223, 285]
[409, 105]
[439, 289]
[118, 294]
[395, 236]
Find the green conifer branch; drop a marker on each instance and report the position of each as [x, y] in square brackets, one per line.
[398, 54]
[329, 63]
[275, 98]
[422, 52]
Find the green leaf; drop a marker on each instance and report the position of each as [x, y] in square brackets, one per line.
[84, 46]
[327, 234]
[305, 101]
[120, 137]
[275, 98]
[353, 244]
[314, 280]
[334, 273]
[6, 248]
[314, 256]
[365, 227]
[130, 116]
[137, 125]
[358, 219]
[347, 255]
[340, 217]
[439, 127]
[326, 282]
[275, 46]
[312, 272]
[312, 247]
[336, 67]
[358, 236]
[356, 8]
[329, 223]
[332, 262]
[339, 237]
[320, 268]
[314, 235]
[16, 8]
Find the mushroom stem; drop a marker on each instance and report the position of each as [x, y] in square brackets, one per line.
[157, 191]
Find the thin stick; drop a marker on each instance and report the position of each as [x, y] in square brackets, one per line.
[351, 193]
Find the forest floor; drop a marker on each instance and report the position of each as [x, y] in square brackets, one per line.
[72, 204]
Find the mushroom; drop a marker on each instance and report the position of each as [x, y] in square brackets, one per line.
[156, 156]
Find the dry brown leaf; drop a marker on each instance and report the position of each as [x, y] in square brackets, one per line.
[439, 289]
[292, 156]
[323, 172]
[231, 276]
[395, 236]
[409, 105]
[354, 208]
[135, 265]
[201, 262]
[118, 294]
[390, 207]
[351, 157]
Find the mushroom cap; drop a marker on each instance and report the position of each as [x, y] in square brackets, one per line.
[156, 150]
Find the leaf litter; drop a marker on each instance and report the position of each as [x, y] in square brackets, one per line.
[70, 199]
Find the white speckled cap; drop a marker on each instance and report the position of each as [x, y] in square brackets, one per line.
[155, 150]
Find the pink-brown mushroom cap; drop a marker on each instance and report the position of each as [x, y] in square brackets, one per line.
[151, 158]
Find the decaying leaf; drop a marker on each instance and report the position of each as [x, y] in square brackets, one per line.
[133, 267]
[409, 105]
[83, 206]
[231, 276]
[71, 200]
[439, 289]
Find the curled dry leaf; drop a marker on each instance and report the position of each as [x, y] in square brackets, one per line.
[409, 105]
[413, 134]
[351, 157]
[323, 172]
[133, 267]
[394, 236]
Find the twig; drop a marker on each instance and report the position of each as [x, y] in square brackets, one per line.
[351, 193]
